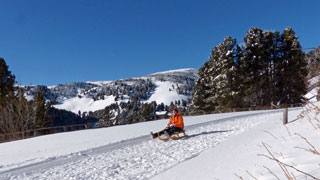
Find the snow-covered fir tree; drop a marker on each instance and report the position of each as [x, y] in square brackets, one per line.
[223, 82]
[201, 93]
[215, 88]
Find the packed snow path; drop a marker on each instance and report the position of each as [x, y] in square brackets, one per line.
[139, 158]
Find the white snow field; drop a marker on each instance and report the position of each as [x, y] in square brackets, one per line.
[164, 93]
[219, 146]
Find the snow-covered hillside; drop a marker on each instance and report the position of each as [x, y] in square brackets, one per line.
[219, 146]
[313, 89]
[163, 87]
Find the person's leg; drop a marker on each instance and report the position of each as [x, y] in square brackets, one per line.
[171, 131]
[155, 135]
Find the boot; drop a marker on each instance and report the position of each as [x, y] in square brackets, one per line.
[153, 135]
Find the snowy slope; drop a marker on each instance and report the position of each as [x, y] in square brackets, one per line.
[96, 95]
[313, 89]
[84, 104]
[218, 147]
[241, 156]
[164, 95]
[50, 146]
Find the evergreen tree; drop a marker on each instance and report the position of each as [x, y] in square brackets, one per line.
[257, 74]
[275, 70]
[107, 115]
[224, 75]
[146, 111]
[40, 110]
[7, 80]
[313, 60]
[252, 66]
[292, 69]
[201, 92]
[239, 77]
[216, 87]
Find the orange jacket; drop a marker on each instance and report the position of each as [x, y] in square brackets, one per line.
[177, 120]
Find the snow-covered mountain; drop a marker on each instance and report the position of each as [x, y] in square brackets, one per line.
[167, 87]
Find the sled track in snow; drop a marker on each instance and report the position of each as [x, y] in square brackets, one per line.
[28, 170]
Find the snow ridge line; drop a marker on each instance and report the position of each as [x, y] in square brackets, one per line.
[56, 161]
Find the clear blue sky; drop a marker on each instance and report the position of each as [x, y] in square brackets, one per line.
[48, 42]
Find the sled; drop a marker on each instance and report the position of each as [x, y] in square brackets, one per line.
[175, 136]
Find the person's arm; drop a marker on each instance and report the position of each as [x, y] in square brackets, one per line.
[180, 122]
[170, 121]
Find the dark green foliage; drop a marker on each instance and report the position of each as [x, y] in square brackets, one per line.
[7, 80]
[107, 116]
[293, 68]
[128, 112]
[313, 60]
[201, 95]
[216, 87]
[40, 109]
[253, 66]
[61, 117]
[223, 88]
[16, 113]
[270, 69]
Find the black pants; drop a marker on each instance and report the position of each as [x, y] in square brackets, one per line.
[170, 131]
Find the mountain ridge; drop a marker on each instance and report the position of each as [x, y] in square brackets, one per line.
[96, 95]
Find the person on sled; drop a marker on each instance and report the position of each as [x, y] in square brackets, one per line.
[175, 125]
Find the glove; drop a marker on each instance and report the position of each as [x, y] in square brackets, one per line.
[172, 125]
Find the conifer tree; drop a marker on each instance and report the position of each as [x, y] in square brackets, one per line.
[239, 77]
[145, 111]
[103, 121]
[313, 60]
[200, 93]
[292, 69]
[7, 80]
[40, 110]
[269, 59]
[223, 79]
[216, 87]
[252, 66]
[276, 55]
[107, 115]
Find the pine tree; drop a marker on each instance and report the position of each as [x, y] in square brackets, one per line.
[7, 80]
[252, 66]
[107, 115]
[200, 93]
[224, 89]
[40, 110]
[239, 77]
[275, 71]
[257, 74]
[268, 60]
[146, 111]
[292, 69]
[313, 60]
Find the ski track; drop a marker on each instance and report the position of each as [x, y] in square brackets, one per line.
[139, 158]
